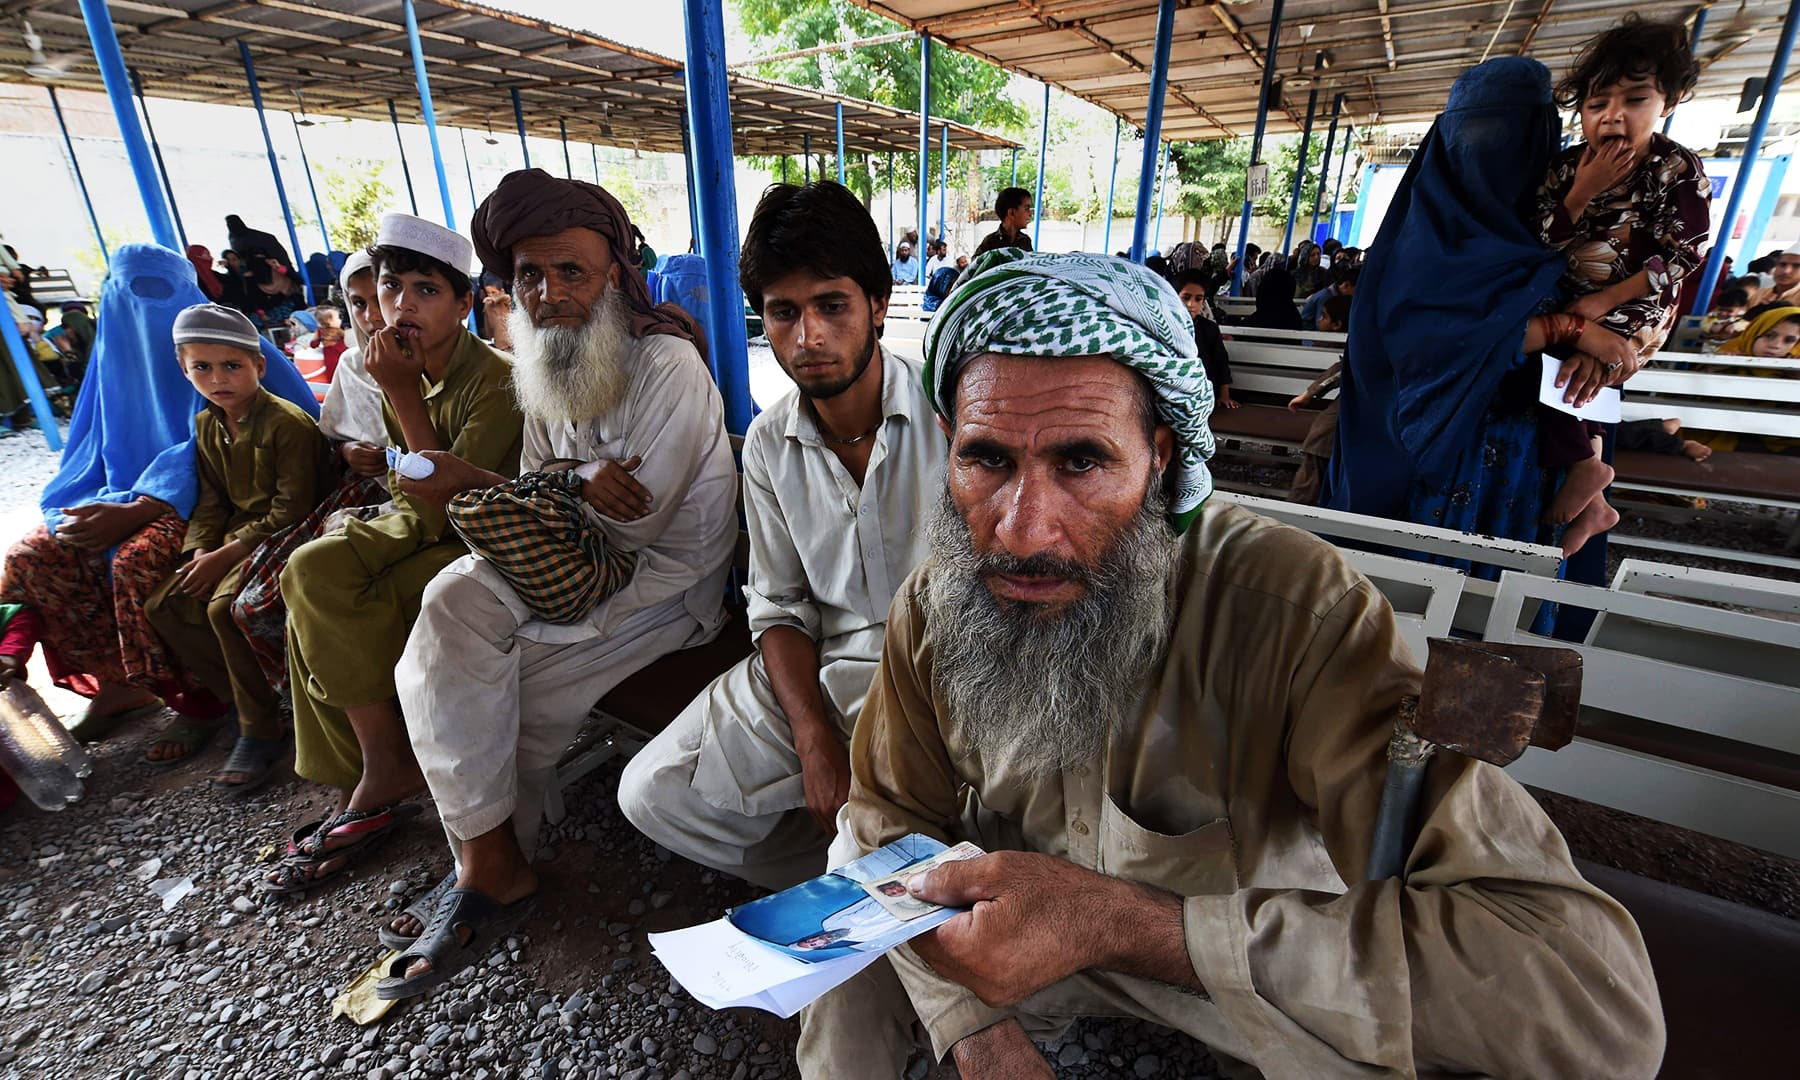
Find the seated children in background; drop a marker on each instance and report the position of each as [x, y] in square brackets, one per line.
[262, 465]
[1315, 452]
[1726, 320]
[1192, 285]
[1628, 207]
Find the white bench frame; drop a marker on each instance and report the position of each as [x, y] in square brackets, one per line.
[1400, 580]
[1537, 560]
[1694, 698]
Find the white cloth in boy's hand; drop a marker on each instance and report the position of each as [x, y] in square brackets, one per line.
[409, 465]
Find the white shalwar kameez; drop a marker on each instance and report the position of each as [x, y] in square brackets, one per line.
[492, 695]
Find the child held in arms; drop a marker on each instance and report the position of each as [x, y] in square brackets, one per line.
[1629, 208]
[262, 465]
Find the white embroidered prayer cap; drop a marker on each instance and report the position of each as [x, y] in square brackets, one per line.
[426, 238]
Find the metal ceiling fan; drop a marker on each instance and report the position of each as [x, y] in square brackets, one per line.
[41, 66]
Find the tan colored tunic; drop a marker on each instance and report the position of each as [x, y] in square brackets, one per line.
[352, 598]
[1248, 783]
[253, 486]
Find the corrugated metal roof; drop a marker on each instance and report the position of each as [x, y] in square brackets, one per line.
[1393, 61]
[348, 57]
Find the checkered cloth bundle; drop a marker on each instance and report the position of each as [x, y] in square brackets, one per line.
[536, 532]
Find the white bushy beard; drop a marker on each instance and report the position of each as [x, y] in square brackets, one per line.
[1039, 690]
[572, 373]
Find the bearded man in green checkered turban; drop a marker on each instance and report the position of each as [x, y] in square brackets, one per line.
[1167, 725]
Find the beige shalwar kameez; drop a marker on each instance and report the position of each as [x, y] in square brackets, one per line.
[1248, 783]
[722, 785]
[493, 695]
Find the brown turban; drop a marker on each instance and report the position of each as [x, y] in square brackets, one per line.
[531, 202]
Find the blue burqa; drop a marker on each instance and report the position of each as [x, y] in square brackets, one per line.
[1430, 428]
[133, 429]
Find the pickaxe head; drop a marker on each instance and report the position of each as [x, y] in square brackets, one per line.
[1490, 701]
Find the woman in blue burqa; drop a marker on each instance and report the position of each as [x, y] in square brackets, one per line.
[1436, 423]
[115, 513]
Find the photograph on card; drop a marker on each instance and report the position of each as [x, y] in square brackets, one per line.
[834, 915]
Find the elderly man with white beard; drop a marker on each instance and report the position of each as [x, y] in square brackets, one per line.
[1167, 721]
[493, 694]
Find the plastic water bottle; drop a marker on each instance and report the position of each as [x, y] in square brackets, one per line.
[18, 696]
[37, 751]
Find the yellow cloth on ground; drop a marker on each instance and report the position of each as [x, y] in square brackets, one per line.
[352, 598]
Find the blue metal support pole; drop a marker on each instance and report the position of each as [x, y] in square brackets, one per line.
[1312, 106]
[1112, 184]
[924, 142]
[840, 133]
[709, 117]
[1162, 186]
[312, 188]
[562, 130]
[1159, 89]
[80, 181]
[468, 169]
[806, 156]
[1715, 260]
[1337, 108]
[687, 172]
[944, 188]
[1014, 182]
[1337, 195]
[262, 120]
[1256, 143]
[594, 160]
[1037, 201]
[27, 369]
[98, 18]
[137, 85]
[890, 174]
[405, 170]
[1693, 47]
[429, 112]
[519, 121]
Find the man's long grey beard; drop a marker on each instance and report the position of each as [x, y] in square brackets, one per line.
[572, 373]
[1035, 690]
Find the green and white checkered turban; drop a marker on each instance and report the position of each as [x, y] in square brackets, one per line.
[1020, 303]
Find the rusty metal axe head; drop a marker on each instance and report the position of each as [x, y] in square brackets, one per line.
[1490, 701]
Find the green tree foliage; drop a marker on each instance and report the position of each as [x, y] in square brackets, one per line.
[356, 195]
[963, 89]
[1212, 177]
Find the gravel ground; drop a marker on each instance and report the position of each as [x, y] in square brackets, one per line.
[99, 981]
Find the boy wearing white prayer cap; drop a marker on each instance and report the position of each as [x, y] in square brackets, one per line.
[353, 596]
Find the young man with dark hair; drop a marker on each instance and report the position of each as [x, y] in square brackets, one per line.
[1014, 209]
[353, 595]
[839, 478]
[1343, 283]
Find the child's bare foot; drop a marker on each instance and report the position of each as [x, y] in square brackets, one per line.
[1596, 519]
[1697, 451]
[1581, 488]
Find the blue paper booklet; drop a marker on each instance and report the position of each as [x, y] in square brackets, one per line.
[781, 952]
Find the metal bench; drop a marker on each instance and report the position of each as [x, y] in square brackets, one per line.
[1424, 596]
[1476, 595]
[51, 287]
[1689, 712]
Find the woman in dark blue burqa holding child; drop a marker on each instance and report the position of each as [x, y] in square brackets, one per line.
[1437, 421]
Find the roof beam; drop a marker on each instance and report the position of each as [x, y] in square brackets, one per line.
[1531, 31]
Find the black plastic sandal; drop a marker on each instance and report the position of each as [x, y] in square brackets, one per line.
[443, 946]
[422, 908]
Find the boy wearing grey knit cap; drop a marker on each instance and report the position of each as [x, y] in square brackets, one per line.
[262, 466]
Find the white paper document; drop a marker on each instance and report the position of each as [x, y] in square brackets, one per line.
[782, 952]
[1604, 409]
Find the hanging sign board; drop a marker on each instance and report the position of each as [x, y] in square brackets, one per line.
[1256, 185]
